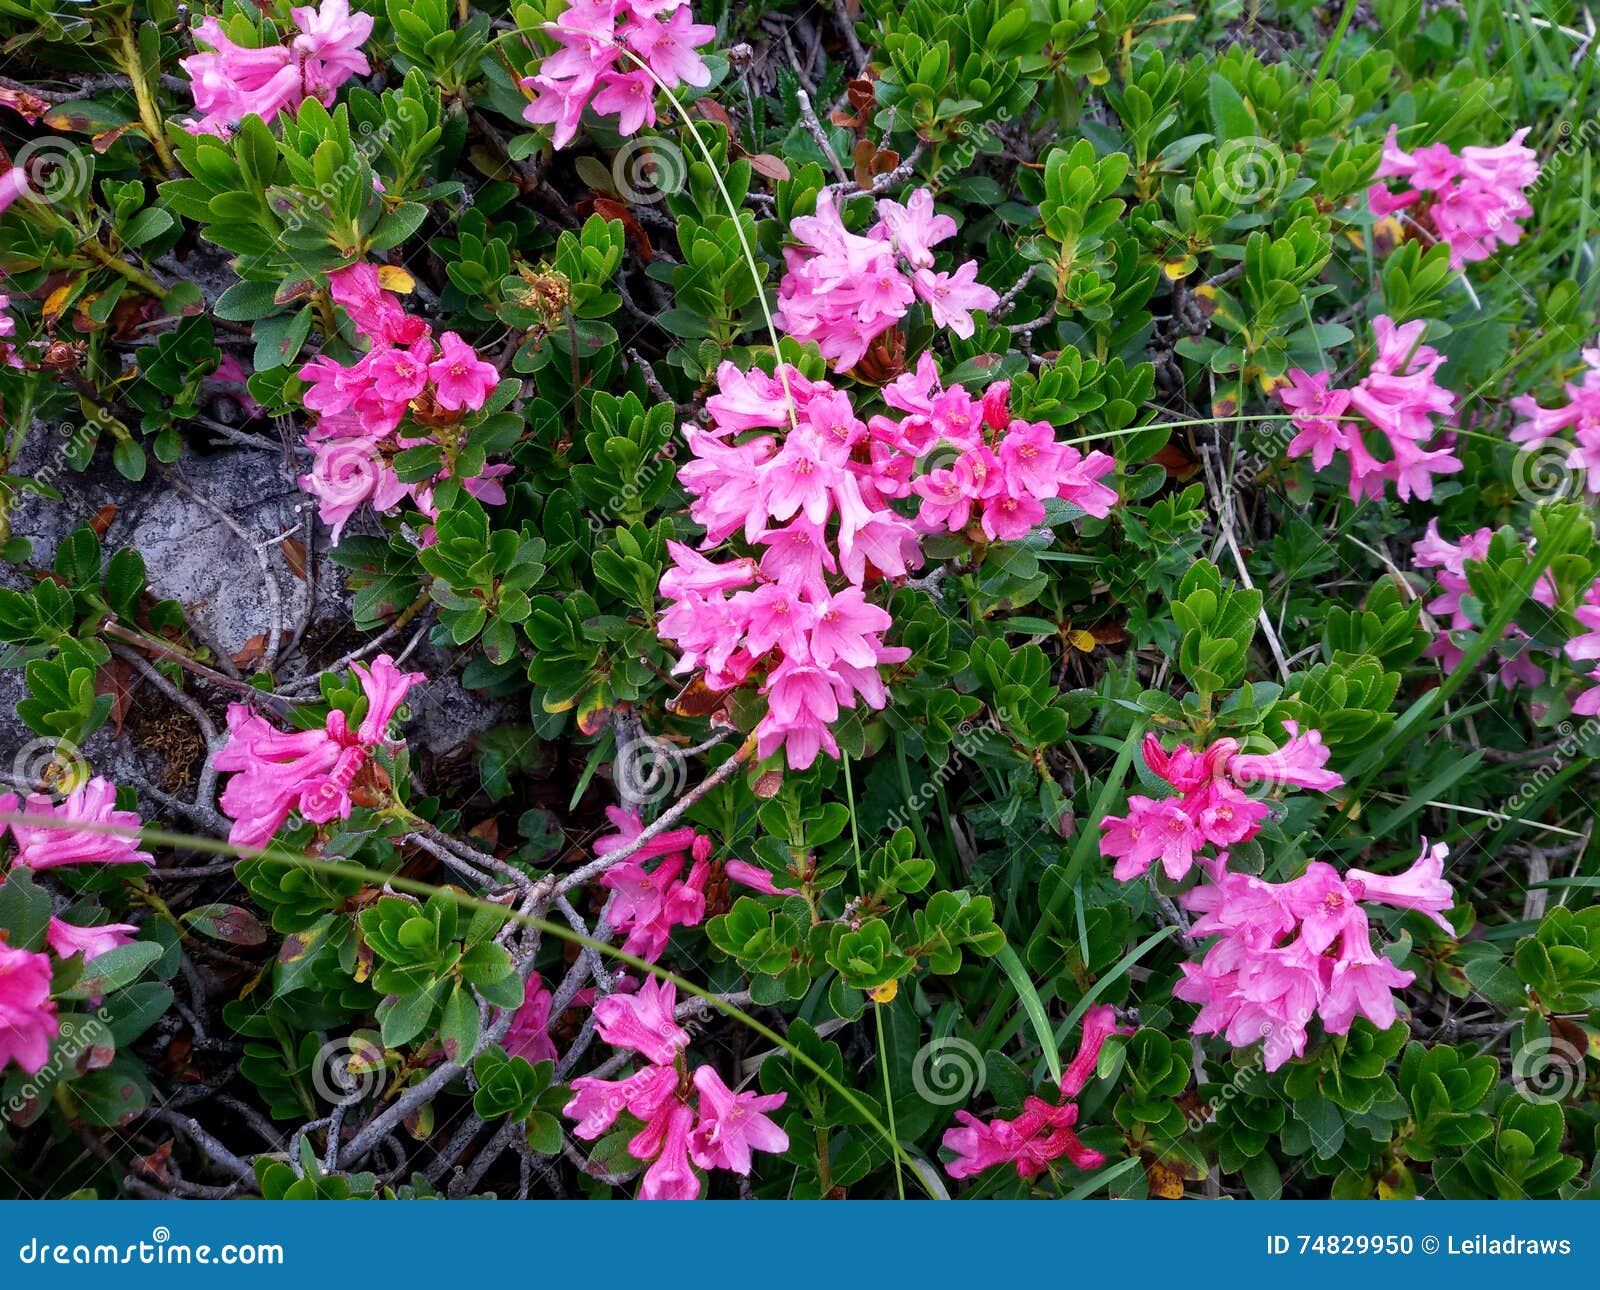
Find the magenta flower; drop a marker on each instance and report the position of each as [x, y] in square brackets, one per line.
[591, 69]
[756, 878]
[1472, 202]
[328, 48]
[1421, 887]
[460, 378]
[1301, 762]
[733, 1124]
[1043, 1133]
[27, 1013]
[13, 185]
[310, 770]
[529, 1036]
[55, 845]
[67, 939]
[596, 1103]
[643, 1022]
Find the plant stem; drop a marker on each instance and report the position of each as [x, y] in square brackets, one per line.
[149, 116]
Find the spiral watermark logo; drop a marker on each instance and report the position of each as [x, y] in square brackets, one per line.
[57, 171]
[647, 171]
[948, 1071]
[74, 1049]
[1546, 474]
[52, 766]
[349, 1070]
[1547, 1070]
[345, 473]
[161, 1236]
[649, 770]
[1250, 170]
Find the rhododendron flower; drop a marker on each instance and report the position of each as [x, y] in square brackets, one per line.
[1421, 887]
[1397, 400]
[816, 501]
[1043, 1133]
[67, 939]
[529, 1035]
[643, 1022]
[27, 1013]
[591, 69]
[1471, 202]
[1301, 762]
[733, 1124]
[1450, 560]
[361, 408]
[1210, 807]
[53, 846]
[1288, 952]
[756, 878]
[843, 290]
[1580, 414]
[13, 185]
[309, 770]
[232, 81]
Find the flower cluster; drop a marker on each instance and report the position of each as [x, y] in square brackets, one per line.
[360, 407]
[1212, 806]
[844, 290]
[234, 81]
[1449, 559]
[311, 771]
[1470, 201]
[1580, 413]
[27, 1013]
[1043, 1133]
[686, 1118]
[1288, 951]
[1398, 399]
[612, 56]
[980, 460]
[817, 646]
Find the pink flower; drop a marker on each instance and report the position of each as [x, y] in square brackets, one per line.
[235, 81]
[529, 1036]
[648, 905]
[756, 878]
[1363, 985]
[914, 228]
[733, 1124]
[596, 1103]
[1421, 887]
[43, 847]
[13, 185]
[67, 939]
[460, 378]
[666, 1140]
[309, 770]
[643, 1022]
[329, 46]
[951, 297]
[1300, 762]
[27, 1013]
[590, 70]
[1472, 202]
[1151, 831]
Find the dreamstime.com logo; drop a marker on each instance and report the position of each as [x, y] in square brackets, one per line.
[160, 1250]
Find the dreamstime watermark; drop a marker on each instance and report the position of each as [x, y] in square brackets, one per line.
[160, 1249]
[1250, 170]
[962, 747]
[649, 170]
[1572, 740]
[1552, 472]
[78, 1038]
[947, 1071]
[370, 141]
[1547, 1070]
[51, 766]
[57, 171]
[1244, 1079]
[649, 770]
[347, 1071]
